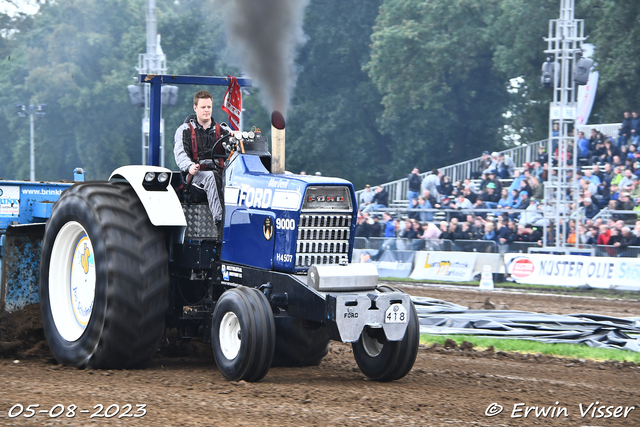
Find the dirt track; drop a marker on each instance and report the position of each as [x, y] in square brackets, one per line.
[447, 387]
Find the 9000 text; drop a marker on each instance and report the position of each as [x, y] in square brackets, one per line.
[70, 411]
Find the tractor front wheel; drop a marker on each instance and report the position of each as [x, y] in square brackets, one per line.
[243, 334]
[383, 360]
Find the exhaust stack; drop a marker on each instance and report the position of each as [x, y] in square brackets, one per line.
[277, 142]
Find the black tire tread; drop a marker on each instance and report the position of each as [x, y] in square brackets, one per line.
[258, 334]
[298, 343]
[265, 334]
[137, 270]
[397, 357]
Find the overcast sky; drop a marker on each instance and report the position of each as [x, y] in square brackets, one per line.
[27, 6]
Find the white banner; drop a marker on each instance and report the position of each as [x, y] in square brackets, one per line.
[586, 96]
[574, 270]
[449, 266]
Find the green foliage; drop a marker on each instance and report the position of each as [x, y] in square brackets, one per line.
[616, 36]
[74, 59]
[332, 126]
[518, 45]
[574, 351]
[432, 61]
[383, 85]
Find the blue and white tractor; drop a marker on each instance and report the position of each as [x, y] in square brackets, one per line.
[125, 259]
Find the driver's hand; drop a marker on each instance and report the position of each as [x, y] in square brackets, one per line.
[194, 168]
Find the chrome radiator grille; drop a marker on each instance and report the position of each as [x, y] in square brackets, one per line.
[323, 239]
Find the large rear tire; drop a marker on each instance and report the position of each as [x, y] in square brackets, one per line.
[299, 342]
[383, 360]
[104, 279]
[243, 334]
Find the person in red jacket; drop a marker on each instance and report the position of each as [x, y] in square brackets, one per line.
[604, 235]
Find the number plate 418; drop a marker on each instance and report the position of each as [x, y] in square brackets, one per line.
[396, 313]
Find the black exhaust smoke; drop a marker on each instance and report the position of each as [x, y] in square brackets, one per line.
[265, 34]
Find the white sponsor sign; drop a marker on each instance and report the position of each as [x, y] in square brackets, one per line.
[9, 200]
[574, 270]
[586, 96]
[587, 93]
[449, 266]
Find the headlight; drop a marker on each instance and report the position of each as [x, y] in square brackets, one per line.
[156, 181]
[163, 177]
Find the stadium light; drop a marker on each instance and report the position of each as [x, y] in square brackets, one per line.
[548, 73]
[38, 110]
[581, 69]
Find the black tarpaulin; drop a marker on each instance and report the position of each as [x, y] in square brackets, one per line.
[443, 318]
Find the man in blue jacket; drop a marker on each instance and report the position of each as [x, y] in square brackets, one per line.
[624, 130]
[635, 127]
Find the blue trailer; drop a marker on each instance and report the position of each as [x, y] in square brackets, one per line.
[25, 206]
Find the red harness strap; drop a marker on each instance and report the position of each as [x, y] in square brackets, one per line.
[194, 143]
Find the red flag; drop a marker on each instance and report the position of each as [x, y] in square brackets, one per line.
[232, 103]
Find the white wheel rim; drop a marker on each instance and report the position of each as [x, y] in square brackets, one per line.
[229, 335]
[72, 281]
[372, 346]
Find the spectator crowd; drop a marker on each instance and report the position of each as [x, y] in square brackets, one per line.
[504, 204]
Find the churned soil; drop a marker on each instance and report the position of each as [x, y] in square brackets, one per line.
[448, 386]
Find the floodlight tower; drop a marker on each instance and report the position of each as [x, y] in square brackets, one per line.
[564, 50]
[30, 110]
[152, 62]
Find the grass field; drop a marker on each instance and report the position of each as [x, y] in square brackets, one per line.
[573, 351]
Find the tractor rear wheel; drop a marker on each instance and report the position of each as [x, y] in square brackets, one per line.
[243, 334]
[299, 342]
[383, 360]
[104, 279]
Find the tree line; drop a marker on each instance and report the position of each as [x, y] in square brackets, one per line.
[382, 86]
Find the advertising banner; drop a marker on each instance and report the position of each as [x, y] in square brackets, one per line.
[9, 200]
[587, 93]
[449, 266]
[389, 263]
[586, 96]
[574, 270]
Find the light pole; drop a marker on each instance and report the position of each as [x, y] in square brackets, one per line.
[564, 70]
[38, 110]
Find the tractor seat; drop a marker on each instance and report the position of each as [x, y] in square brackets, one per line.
[191, 194]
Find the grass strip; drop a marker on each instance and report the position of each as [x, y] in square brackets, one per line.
[574, 351]
[593, 292]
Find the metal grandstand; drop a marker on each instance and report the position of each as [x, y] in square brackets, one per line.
[524, 153]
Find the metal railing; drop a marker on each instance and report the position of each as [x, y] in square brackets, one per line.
[484, 246]
[525, 153]
[399, 244]
[447, 214]
[608, 129]
[398, 189]
[617, 251]
[520, 247]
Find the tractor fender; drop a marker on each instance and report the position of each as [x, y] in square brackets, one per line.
[161, 204]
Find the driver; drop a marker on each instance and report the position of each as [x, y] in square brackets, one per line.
[195, 150]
